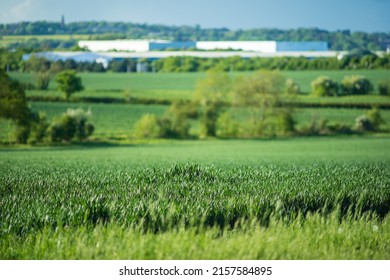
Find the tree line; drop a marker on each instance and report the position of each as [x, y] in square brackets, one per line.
[225, 107]
[338, 40]
[12, 61]
[255, 110]
[33, 127]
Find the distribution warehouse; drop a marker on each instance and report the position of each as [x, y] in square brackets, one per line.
[156, 45]
[105, 51]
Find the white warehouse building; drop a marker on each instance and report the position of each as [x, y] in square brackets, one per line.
[118, 45]
[251, 46]
[248, 46]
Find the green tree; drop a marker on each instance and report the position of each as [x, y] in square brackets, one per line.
[324, 86]
[13, 103]
[227, 127]
[69, 83]
[147, 127]
[72, 125]
[42, 69]
[261, 94]
[174, 123]
[371, 121]
[384, 88]
[210, 94]
[354, 85]
[13, 106]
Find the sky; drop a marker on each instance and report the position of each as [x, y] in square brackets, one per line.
[355, 15]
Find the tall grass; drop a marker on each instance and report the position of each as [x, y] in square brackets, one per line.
[282, 199]
[313, 238]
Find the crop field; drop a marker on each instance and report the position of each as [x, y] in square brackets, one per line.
[173, 86]
[305, 198]
[115, 197]
[117, 120]
[110, 120]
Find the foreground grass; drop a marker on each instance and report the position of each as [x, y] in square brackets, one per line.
[314, 238]
[325, 198]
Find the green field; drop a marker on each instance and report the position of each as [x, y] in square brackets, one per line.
[172, 86]
[117, 120]
[115, 197]
[305, 198]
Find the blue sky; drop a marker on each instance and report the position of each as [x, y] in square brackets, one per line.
[356, 15]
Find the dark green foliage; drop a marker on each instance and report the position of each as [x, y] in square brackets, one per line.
[11, 60]
[315, 127]
[72, 125]
[68, 82]
[125, 65]
[38, 129]
[21, 134]
[371, 121]
[174, 123]
[210, 114]
[13, 103]
[13, 106]
[363, 123]
[356, 85]
[384, 88]
[320, 126]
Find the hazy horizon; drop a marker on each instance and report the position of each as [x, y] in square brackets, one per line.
[360, 15]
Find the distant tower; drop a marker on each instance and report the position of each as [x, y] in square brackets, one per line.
[62, 21]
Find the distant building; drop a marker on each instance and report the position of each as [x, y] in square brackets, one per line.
[139, 50]
[301, 46]
[76, 56]
[134, 45]
[158, 45]
[252, 46]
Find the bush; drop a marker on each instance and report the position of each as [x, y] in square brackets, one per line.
[384, 88]
[315, 127]
[355, 85]
[147, 127]
[371, 121]
[21, 134]
[227, 127]
[363, 123]
[174, 123]
[324, 86]
[39, 128]
[285, 122]
[72, 125]
[291, 87]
